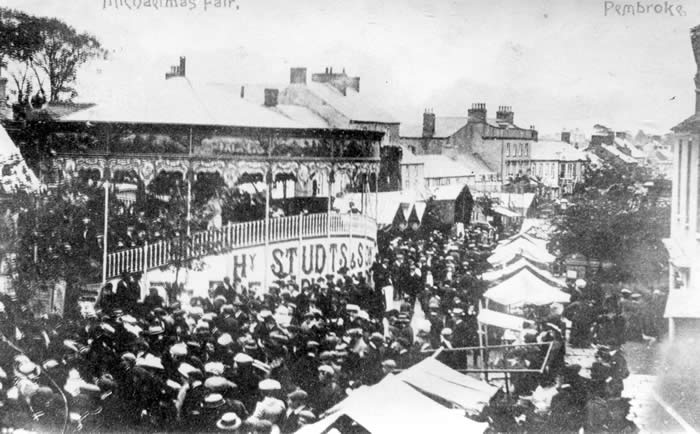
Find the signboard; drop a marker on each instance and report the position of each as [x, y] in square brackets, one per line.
[307, 259]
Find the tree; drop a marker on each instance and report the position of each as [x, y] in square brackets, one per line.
[63, 51]
[612, 217]
[43, 50]
[21, 40]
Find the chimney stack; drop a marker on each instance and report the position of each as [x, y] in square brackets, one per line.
[505, 114]
[477, 113]
[297, 76]
[271, 96]
[428, 124]
[178, 70]
[354, 83]
[566, 137]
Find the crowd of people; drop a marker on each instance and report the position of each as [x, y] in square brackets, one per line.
[250, 362]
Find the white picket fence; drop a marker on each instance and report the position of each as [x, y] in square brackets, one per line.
[238, 235]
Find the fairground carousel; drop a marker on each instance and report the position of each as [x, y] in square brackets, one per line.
[177, 136]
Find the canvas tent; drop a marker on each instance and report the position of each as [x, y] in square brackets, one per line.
[14, 173]
[523, 246]
[525, 287]
[512, 268]
[436, 379]
[503, 320]
[393, 406]
[388, 204]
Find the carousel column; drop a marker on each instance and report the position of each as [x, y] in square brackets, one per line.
[105, 234]
[268, 183]
[376, 194]
[331, 180]
[189, 175]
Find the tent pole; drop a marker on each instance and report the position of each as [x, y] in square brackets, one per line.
[483, 341]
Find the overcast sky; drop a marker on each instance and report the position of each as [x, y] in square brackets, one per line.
[559, 63]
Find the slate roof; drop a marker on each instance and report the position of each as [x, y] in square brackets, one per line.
[445, 126]
[690, 125]
[619, 154]
[554, 150]
[634, 152]
[442, 166]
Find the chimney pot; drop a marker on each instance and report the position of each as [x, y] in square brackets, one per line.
[271, 96]
[177, 70]
[505, 114]
[242, 92]
[477, 113]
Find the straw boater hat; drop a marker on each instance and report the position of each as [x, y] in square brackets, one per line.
[243, 359]
[213, 400]
[229, 422]
[214, 368]
[185, 369]
[269, 385]
[150, 361]
[225, 340]
[178, 350]
[219, 384]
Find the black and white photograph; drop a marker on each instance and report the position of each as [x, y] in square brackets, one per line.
[349, 216]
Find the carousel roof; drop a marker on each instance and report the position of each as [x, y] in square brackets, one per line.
[178, 101]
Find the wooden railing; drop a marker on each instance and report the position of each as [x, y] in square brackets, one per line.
[238, 235]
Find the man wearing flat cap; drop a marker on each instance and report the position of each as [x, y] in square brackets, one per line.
[296, 403]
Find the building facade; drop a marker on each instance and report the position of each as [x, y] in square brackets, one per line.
[557, 165]
[502, 145]
[683, 305]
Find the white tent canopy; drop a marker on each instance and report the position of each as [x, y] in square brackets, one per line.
[508, 270]
[523, 246]
[14, 173]
[525, 287]
[392, 406]
[504, 211]
[503, 320]
[387, 204]
[437, 379]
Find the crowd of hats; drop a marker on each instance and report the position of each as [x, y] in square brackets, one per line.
[232, 361]
[239, 360]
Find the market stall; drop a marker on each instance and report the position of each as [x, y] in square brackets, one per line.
[393, 406]
[437, 379]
